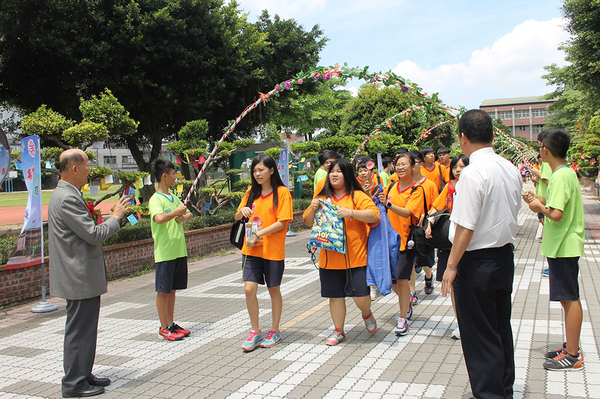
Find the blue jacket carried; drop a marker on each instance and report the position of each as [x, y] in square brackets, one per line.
[382, 252]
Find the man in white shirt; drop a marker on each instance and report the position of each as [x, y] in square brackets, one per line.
[481, 263]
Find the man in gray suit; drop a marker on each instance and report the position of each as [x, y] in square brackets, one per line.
[78, 272]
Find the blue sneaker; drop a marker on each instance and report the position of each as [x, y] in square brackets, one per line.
[272, 339]
[252, 342]
[546, 273]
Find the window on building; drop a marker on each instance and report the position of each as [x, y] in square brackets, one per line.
[521, 114]
[492, 115]
[539, 113]
[110, 160]
[505, 114]
[537, 128]
[127, 160]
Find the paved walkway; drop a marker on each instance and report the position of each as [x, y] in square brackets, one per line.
[427, 363]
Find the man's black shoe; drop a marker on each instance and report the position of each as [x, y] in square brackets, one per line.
[98, 381]
[91, 391]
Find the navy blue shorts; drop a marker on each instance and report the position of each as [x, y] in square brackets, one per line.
[427, 260]
[443, 255]
[541, 215]
[344, 283]
[563, 278]
[259, 270]
[171, 275]
[404, 267]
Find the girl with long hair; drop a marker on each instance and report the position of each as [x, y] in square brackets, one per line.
[268, 205]
[345, 275]
[445, 201]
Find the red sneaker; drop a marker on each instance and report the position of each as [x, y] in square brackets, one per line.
[170, 335]
[178, 330]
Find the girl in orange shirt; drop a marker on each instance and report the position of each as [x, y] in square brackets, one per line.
[269, 202]
[405, 201]
[445, 201]
[345, 275]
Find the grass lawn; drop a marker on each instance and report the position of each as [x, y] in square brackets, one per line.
[19, 198]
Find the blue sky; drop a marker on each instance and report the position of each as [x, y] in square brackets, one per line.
[468, 51]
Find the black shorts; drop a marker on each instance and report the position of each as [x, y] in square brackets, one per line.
[171, 275]
[259, 270]
[404, 267]
[541, 215]
[426, 261]
[563, 278]
[344, 283]
[443, 255]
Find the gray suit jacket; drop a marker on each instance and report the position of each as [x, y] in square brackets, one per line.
[77, 269]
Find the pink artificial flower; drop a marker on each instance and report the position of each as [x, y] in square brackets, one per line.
[300, 81]
[278, 87]
[370, 165]
[288, 85]
[327, 76]
[404, 88]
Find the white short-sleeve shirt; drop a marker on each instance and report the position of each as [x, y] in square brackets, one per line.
[487, 200]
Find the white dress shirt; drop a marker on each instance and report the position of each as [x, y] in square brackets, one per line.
[487, 200]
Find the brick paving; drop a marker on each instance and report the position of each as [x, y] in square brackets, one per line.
[426, 363]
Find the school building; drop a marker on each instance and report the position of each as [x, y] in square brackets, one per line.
[525, 116]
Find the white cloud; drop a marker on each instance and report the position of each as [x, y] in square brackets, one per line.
[511, 67]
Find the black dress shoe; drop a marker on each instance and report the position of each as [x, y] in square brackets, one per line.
[91, 391]
[98, 381]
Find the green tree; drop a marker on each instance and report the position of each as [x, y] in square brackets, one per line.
[577, 85]
[374, 105]
[315, 108]
[168, 61]
[587, 152]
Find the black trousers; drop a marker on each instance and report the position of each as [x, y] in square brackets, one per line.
[81, 332]
[482, 290]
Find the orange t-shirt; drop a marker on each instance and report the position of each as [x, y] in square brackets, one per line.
[319, 186]
[411, 200]
[393, 177]
[434, 174]
[431, 191]
[356, 235]
[273, 247]
[445, 171]
[441, 201]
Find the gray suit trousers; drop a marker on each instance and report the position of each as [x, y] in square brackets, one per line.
[81, 332]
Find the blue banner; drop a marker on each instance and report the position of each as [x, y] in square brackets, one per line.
[4, 162]
[283, 167]
[30, 250]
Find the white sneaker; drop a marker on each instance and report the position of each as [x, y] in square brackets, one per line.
[455, 334]
[374, 292]
[401, 327]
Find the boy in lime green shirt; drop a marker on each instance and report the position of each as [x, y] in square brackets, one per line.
[170, 252]
[562, 244]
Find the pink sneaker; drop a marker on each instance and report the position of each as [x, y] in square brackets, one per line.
[370, 323]
[335, 338]
[252, 342]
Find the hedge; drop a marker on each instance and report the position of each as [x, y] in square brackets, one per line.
[142, 229]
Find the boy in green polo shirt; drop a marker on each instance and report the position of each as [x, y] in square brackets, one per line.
[562, 244]
[170, 252]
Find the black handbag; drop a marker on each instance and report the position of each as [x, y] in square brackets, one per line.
[439, 230]
[416, 244]
[238, 233]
